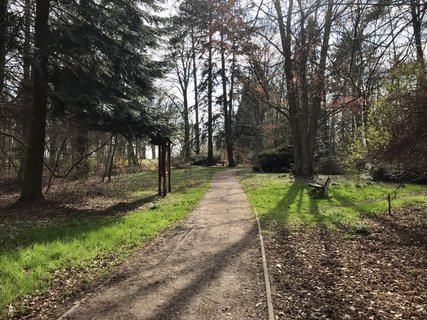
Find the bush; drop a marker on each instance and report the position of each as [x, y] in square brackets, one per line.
[390, 174]
[329, 165]
[202, 159]
[384, 174]
[276, 160]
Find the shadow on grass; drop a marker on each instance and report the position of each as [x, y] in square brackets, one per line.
[298, 206]
[80, 223]
[406, 234]
[281, 213]
[65, 223]
[306, 280]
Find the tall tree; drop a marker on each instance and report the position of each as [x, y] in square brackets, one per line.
[210, 158]
[225, 105]
[417, 13]
[99, 72]
[304, 98]
[33, 171]
[182, 57]
[200, 15]
[196, 93]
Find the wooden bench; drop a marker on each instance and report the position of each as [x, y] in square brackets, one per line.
[321, 189]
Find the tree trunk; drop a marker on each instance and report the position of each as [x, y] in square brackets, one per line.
[81, 147]
[26, 87]
[3, 41]
[187, 145]
[183, 72]
[416, 25]
[210, 159]
[196, 96]
[132, 157]
[153, 152]
[227, 112]
[143, 151]
[113, 152]
[33, 172]
[285, 36]
[304, 117]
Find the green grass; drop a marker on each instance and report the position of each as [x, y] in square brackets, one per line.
[281, 200]
[30, 255]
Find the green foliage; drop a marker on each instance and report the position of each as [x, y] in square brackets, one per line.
[385, 174]
[101, 72]
[361, 229]
[202, 159]
[372, 137]
[386, 122]
[276, 160]
[281, 200]
[250, 116]
[329, 166]
[30, 253]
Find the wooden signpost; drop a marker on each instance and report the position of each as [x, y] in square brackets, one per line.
[164, 170]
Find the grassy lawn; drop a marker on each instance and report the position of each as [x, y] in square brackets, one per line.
[282, 200]
[31, 251]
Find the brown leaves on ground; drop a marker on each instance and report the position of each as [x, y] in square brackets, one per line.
[68, 285]
[66, 201]
[380, 273]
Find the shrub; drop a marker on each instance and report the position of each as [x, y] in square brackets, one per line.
[276, 160]
[202, 159]
[390, 174]
[382, 174]
[329, 165]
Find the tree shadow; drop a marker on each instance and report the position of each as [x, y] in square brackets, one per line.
[77, 223]
[319, 237]
[211, 269]
[305, 210]
[203, 269]
[316, 288]
[281, 212]
[407, 235]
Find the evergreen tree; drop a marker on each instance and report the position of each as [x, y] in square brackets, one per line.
[91, 64]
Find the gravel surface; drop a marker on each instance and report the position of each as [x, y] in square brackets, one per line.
[208, 267]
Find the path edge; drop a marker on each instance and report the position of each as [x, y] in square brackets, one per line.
[270, 308]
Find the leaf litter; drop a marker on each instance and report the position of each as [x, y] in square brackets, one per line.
[321, 273]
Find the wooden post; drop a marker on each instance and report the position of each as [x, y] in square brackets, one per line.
[164, 168]
[389, 204]
[169, 168]
[160, 169]
[164, 160]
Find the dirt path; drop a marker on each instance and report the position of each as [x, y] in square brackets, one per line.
[208, 267]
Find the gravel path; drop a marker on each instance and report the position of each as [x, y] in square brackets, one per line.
[207, 267]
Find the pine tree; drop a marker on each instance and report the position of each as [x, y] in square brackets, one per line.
[94, 58]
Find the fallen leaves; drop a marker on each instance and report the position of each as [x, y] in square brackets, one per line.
[326, 274]
[67, 286]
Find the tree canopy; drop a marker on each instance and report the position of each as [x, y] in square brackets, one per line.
[224, 79]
